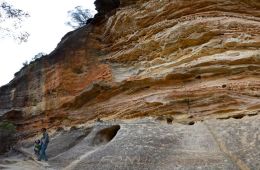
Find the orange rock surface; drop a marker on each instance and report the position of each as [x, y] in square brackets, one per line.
[170, 58]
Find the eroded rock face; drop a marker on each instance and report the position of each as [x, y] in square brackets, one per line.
[178, 58]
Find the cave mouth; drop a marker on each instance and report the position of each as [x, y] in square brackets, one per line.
[191, 123]
[239, 116]
[105, 135]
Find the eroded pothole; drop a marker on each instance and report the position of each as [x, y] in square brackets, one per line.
[105, 135]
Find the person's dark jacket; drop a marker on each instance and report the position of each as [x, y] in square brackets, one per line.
[45, 139]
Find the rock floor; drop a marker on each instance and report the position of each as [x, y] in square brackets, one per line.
[146, 144]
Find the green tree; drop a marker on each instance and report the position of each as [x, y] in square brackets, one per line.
[37, 56]
[11, 22]
[7, 136]
[78, 17]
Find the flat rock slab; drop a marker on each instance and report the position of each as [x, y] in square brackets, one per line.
[158, 146]
[146, 144]
[212, 144]
[239, 139]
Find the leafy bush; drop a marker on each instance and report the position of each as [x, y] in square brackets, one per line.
[11, 22]
[25, 64]
[7, 136]
[79, 17]
[37, 56]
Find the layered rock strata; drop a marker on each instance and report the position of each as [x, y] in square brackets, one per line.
[170, 58]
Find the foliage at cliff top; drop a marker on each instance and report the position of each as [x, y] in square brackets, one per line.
[11, 22]
[78, 17]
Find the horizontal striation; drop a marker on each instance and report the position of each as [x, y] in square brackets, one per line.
[147, 58]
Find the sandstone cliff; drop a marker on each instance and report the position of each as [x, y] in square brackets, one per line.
[176, 83]
[176, 59]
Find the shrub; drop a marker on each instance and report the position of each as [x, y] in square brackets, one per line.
[78, 17]
[37, 56]
[7, 136]
[25, 64]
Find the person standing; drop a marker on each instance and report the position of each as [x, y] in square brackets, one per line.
[37, 147]
[44, 145]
